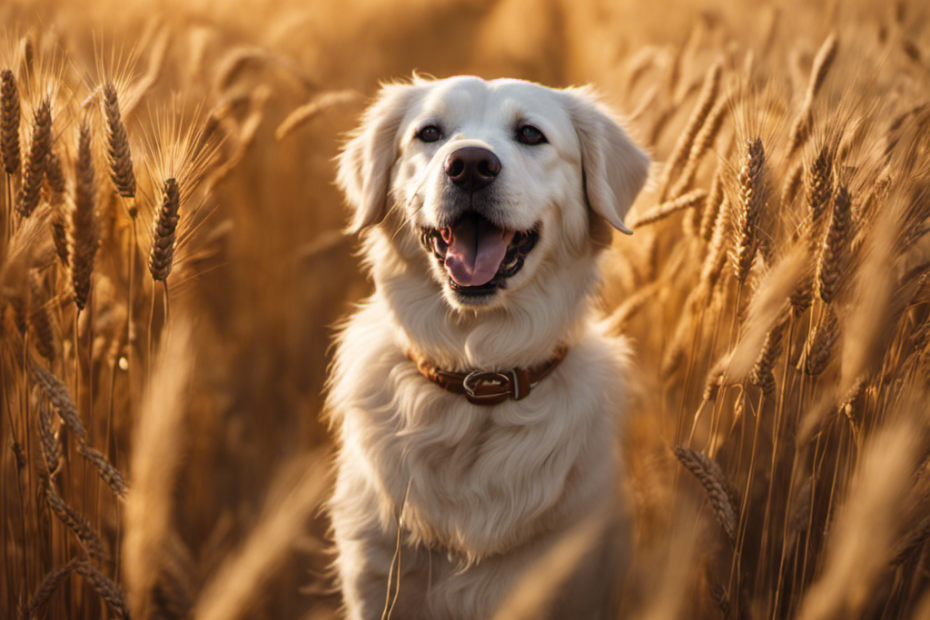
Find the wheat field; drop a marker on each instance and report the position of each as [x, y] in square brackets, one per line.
[172, 267]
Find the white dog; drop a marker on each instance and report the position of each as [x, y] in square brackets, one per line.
[475, 400]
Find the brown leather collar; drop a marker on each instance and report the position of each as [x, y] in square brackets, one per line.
[482, 387]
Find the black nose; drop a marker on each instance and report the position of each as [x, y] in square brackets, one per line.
[472, 167]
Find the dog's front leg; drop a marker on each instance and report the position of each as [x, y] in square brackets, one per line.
[366, 552]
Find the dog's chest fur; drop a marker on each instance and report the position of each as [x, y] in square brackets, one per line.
[474, 481]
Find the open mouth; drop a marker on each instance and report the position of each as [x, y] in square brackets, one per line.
[477, 254]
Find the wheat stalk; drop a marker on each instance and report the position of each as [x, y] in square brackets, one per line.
[864, 528]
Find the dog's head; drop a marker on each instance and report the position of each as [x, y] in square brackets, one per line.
[489, 181]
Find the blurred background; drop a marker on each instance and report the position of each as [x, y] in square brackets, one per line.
[163, 453]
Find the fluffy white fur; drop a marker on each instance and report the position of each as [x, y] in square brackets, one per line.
[480, 492]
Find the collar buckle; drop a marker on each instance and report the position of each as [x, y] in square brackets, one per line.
[476, 378]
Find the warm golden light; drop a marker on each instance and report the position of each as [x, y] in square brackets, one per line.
[173, 266]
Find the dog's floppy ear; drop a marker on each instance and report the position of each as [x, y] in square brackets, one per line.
[614, 168]
[364, 166]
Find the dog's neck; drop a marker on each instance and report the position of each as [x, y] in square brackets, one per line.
[536, 319]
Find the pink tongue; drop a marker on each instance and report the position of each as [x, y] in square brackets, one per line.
[476, 249]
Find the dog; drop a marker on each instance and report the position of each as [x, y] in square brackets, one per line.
[474, 397]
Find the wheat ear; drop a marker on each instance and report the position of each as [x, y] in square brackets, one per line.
[712, 206]
[41, 320]
[818, 349]
[717, 251]
[819, 185]
[751, 200]
[664, 210]
[833, 255]
[819, 189]
[164, 231]
[57, 393]
[46, 589]
[702, 144]
[792, 184]
[703, 107]
[57, 187]
[9, 122]
[307, 112]
[109, 474]
[800, 514]
[720, 491]
[34, 167]
[762, 373]
[912, 542]
[51, 451]
[77, 523]
[803, 294]
[107, 590]
[82, 229]
[802, 126]
[118, 152]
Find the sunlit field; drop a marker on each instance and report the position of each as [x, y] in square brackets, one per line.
[173, 268]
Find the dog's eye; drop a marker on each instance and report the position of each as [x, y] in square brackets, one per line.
[530, 135]
[430, 133]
